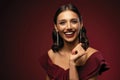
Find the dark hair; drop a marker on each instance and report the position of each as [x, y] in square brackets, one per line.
[82, 35]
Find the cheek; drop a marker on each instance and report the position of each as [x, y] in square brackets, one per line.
[61, 34]
[77, 27]
[61, 31]
[61, 28]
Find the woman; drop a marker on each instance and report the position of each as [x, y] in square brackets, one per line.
[71, 57]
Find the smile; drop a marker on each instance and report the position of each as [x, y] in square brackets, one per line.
[69, 34]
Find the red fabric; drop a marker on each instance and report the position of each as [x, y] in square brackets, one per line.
[95, 64]
[54, 72]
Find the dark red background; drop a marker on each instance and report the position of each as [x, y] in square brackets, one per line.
[26, 33]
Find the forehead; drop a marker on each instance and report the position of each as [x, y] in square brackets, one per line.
[68, 14]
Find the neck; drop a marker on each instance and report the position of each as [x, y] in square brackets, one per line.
[68, 46]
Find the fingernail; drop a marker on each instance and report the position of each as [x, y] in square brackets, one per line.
[76, 52]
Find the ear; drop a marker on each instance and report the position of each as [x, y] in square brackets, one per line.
[55, 28]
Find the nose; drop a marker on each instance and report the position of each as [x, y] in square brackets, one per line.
[68, 25]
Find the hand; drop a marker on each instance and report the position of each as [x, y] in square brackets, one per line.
[78, 54]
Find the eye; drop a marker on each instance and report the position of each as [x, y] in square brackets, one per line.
[62, 23]
[74, 21]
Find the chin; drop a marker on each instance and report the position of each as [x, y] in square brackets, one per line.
[70, 40]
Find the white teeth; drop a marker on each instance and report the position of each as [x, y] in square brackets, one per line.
[69, 33]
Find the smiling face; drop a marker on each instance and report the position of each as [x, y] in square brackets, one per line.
[68, 25]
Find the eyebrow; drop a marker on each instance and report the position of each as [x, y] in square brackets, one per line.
[61, 20]
[75, 19]
[70, 19]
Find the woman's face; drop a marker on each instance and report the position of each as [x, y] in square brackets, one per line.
[68, 25]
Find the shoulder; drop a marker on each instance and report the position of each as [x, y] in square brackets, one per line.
[51, 54]
[90, 51]
[82, 60]
[94, 55]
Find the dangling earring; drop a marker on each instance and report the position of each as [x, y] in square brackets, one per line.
[80, 36]
[57, 39]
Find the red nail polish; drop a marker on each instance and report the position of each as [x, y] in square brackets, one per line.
[76, 52]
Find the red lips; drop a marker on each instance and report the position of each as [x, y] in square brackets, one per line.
[69, 34]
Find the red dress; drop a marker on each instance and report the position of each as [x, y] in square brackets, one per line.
[95, 64]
